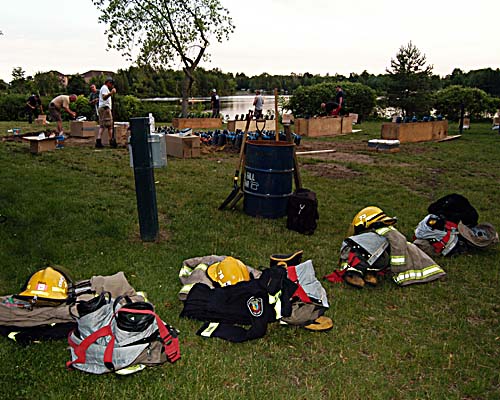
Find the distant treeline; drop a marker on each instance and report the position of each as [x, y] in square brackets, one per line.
[146, 82]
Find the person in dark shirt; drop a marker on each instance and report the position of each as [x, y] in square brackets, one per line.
[32, 104]
[214, 101]
[94, 102]
[340, 100]
[329, 107]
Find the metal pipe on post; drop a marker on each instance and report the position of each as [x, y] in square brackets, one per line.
[144, 179]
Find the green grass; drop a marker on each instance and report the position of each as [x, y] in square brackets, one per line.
[76, 207]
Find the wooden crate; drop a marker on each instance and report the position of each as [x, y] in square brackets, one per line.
[41, 119]
[38, 145]
[197, 123]
[84, 129]
[346, 123]
[413, 132]
[183, 146]
[322, 126]
[121, 133]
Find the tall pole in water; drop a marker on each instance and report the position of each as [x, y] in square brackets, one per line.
[144, 179]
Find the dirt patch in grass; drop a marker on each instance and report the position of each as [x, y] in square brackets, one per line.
[332, 171]
[344, 152]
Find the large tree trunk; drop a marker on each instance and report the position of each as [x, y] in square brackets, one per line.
[186, 91]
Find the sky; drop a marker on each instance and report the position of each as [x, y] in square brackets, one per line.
[273, 36]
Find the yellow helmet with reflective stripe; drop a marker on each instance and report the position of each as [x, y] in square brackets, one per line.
[46, 286]
[229, 271]
[367, 217]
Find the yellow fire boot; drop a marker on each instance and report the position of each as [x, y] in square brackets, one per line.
[371, 279]
[354, 279]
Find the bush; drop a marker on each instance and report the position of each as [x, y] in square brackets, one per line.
[126, 107]
[13, 107]
[307, 101]
[82, 107]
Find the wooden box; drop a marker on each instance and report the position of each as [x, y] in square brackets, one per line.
[323, 126]
[41, 119]
[347, 121]
[413, 132]
[183, 146]
[197, 123]
[466, 123]
[121, 133]
[83, 129]
[38, 145]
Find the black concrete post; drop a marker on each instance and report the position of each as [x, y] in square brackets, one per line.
[144, 179]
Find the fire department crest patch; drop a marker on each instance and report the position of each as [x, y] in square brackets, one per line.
[256, 306]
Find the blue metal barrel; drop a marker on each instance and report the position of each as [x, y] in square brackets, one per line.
[268, 177]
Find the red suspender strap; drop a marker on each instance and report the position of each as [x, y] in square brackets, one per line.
[169, 337]
[441, 244]
[300, 292]
[352, 259]
[81, 349]
[292, 274]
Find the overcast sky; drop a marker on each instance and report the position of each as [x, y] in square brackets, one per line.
[273, 36]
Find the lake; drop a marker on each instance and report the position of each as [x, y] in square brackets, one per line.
[229, 105]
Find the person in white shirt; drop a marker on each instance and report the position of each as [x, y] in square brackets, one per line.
[105, 114]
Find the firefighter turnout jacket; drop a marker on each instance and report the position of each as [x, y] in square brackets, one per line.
[407, 263]
[256, 303]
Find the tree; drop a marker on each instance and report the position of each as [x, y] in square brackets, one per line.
[166, 32]
[20, 84]
[475, 101]
[18, 74]
[410, 81]
[77, 85]
[47, 83]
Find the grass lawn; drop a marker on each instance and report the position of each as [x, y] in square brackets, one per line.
[76, 207]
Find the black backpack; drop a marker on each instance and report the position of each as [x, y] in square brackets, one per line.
[302, 211]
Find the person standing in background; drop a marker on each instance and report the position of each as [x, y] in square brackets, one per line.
[340, 100]
[258, 103]
[105, 114]
[94, 102]
[215, 103]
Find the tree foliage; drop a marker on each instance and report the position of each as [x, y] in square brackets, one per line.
[486, 79]
[47, 83]
[307, 100]
[77, 85]
[410, 81]
[476, 102]
[165, 32]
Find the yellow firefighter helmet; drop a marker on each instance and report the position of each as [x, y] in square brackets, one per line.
[367, 217]
[229, 271]
[47, 285]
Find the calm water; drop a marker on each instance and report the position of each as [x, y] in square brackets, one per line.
[229, 105]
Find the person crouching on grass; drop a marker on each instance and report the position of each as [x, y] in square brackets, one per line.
[105, 114]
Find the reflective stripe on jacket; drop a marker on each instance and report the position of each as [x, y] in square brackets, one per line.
[409, 263]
